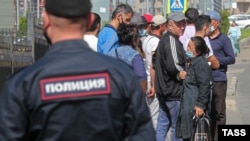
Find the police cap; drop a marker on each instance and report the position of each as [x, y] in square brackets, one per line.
[68, 8]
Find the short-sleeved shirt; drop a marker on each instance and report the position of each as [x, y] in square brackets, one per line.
[107, 39]
[149, 46]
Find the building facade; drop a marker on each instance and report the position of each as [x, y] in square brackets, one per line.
[7, 13]
[12, 10]
[237, 6]
[160, 6]
[150, 6]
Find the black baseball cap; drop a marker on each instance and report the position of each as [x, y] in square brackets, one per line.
[68, 8]
[138, 19]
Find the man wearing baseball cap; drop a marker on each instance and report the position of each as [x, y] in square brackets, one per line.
[73, 93]
[223, 51]
[148, 18]
[140, 23]
[149, 46]
[169, 64]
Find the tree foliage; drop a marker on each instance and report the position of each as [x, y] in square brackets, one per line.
[22, 26]
[224, 21]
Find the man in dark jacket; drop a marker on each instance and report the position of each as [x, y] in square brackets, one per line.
[73, 93]
[223, 51]
[169, 63]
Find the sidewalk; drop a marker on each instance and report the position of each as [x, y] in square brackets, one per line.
[234, 113]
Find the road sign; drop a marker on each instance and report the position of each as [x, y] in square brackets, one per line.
[177, 5]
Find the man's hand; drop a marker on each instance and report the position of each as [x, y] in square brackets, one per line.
[151, 92]
[182, 75]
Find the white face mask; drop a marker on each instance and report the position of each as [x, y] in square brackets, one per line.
[212, 28]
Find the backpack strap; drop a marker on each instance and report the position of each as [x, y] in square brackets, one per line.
[116, 54]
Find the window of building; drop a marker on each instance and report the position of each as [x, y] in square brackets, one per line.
[158, 10]
[140, 10]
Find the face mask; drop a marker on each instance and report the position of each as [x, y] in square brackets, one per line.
[189, 54]
[47, 38]
[122, 25]
[212, 28]
[121, 28]
[142, 32]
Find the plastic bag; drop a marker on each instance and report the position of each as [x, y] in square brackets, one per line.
[201, 130]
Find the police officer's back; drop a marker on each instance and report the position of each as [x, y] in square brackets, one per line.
[73, 93]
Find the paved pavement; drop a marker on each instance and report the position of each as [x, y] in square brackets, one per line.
[238, 92]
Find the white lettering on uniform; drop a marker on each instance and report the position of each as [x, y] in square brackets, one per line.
[82, 85]
[58, 87]
[101, 83]
[74, 86]
[67, 87]
[49, 88]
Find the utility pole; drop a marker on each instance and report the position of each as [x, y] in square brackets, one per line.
[17, 14]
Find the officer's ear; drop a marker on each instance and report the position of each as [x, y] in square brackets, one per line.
[90, 20]
[46, 20]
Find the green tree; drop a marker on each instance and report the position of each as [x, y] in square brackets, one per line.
[224, 21]
[22, 26]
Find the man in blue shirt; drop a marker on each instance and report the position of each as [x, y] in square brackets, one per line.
[223, 51]
[108, 38]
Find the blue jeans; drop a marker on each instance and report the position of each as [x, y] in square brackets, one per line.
[168, 114]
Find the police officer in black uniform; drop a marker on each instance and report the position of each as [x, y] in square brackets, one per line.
[73, 93]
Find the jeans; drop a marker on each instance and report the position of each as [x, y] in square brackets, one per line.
[168, 114]
[218, 113]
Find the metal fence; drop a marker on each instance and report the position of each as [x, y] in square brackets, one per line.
[19, 50]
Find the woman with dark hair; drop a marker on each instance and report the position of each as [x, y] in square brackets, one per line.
[126, 52]
[196, 95]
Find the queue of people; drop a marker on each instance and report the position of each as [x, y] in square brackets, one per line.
[140, 77]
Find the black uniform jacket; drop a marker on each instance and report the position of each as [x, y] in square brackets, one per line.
[74, 94]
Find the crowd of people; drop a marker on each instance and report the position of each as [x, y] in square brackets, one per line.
[139, 77]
